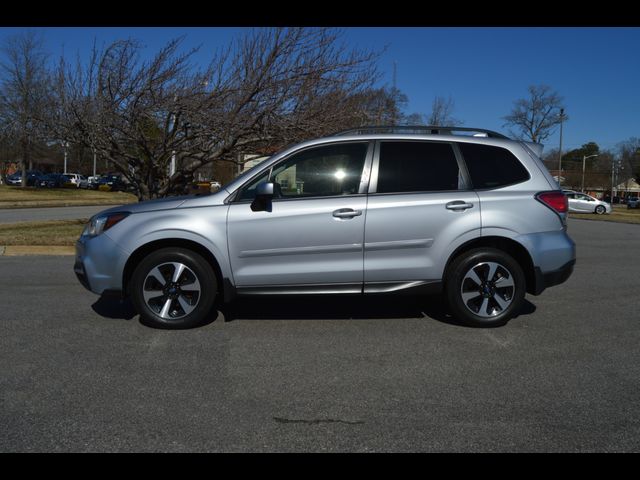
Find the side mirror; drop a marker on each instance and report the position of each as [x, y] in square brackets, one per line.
[264, 195]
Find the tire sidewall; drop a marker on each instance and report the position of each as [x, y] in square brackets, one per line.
[197, 264]
[459, 269]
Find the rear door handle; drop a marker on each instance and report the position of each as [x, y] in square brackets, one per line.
[458, 205]
[346, 213]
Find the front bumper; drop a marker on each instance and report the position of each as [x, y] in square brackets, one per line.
[99, 263]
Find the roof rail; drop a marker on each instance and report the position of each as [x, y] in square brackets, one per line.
[418, 130]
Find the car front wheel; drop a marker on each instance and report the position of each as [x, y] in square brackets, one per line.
[173, 288]
[600, 209]
[485, 287]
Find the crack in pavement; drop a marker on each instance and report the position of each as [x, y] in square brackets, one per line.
[317, 421]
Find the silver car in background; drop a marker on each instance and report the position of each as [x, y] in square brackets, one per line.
[474, 216]
[583, 203]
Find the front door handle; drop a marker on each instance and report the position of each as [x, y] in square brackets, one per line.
[458, 205]
[346, 213]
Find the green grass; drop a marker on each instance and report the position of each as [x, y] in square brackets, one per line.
[54, 232]
[18, 197]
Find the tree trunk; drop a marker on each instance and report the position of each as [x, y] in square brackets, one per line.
[24, 161]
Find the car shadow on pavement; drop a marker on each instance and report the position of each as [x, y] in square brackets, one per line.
[344, 307]
[309, 307]
[111, 305]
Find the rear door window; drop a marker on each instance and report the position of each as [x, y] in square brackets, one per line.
[407, 166]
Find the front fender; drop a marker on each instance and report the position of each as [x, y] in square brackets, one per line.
[205, 226]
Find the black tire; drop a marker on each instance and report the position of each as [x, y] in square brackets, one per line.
[502, 303]
[600, 209]
[197, 307]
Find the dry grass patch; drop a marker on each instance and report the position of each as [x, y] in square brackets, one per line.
[620, 214]
[52, 233]
[17, 197]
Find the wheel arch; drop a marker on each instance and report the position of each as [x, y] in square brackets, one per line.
[507, 245]
[141, 252]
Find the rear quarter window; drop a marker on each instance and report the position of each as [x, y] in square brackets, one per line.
[492, 167]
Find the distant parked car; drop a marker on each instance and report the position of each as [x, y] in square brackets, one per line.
[93, 182]
[52, 180]
[16, 178]
[607, 198]
[90, 183]
[112, 183]
[633, 202]
[583, 203]
[74, 179]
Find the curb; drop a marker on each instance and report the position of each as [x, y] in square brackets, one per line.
[20, 250]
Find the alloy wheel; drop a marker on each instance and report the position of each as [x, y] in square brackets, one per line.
[487, 289]
[171, 290]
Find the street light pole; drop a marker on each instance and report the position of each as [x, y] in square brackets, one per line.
[613, 168]
[560, 152]
[65, 145]
[584, 158]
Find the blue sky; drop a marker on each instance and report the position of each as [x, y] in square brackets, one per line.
[484, 69]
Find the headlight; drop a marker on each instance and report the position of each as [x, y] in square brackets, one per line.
[102, 223]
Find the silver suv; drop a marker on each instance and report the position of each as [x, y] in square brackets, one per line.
[475, 216]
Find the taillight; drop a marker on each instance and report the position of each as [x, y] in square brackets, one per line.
[556, 201]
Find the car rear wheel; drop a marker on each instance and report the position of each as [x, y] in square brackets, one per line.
[173, 288]
[600, 209]
[485, 287]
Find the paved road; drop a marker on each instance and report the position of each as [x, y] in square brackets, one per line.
[12, 215]
[78, 373]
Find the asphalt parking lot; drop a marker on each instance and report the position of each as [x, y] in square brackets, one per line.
[79, 373]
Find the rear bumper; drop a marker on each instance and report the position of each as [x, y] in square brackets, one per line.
[556, 277]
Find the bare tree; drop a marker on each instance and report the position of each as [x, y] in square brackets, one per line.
[377, 106]
[23, 93]
[536, 117]
[270, 88]
[442, 113]
[629, 154]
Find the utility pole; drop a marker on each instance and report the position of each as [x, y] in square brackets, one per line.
[560, 152]
[584, 158]
[94, 162]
